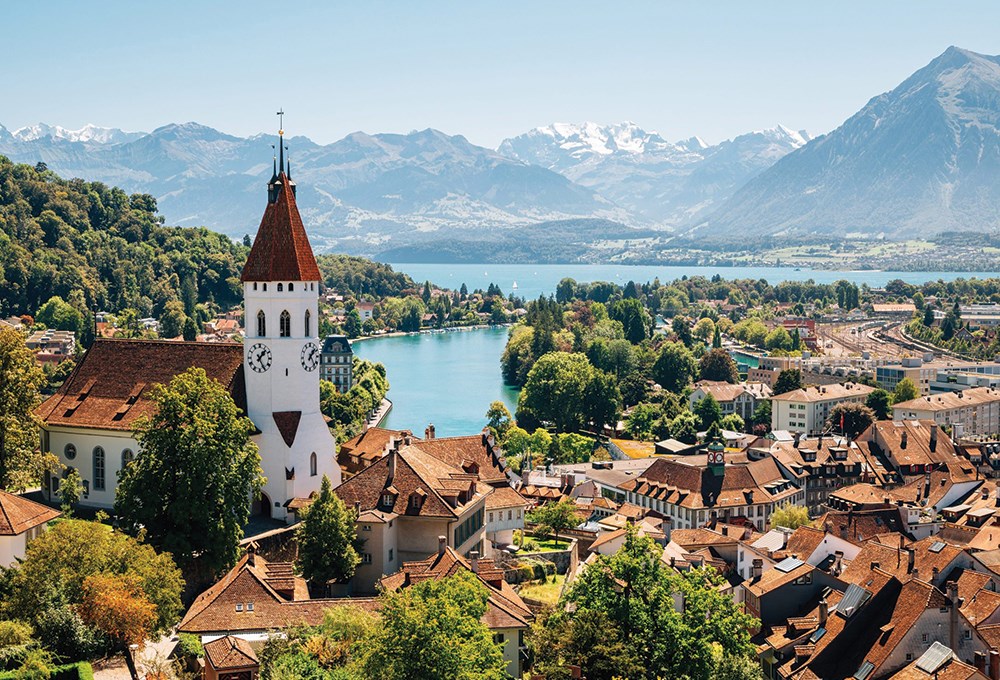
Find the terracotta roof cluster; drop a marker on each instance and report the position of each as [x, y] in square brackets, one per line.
[909, 442]
[505, 608]
[257, 596]
[858, 526]
[19, 514]
[724, 391]
[230, 653]
[816, 453]
[281, 250]
[677, 483]
[109, 388]
[471, 453]
[412, 482]
[505, 497]
[932, 559]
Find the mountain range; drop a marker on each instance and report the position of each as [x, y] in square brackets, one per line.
[921, 159]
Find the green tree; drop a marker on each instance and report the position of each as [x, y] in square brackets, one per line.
[850, 419]
[733, 422]
[191, 485]
[778, 339]
[565, 390]
[704, 330]
[21, 464]
[634, 318]
[172, 320]
[708, 411]
[498, 419]
[790, 516]
[640, 422]
[637, 594]
[880, 402]
[59, 314]
[675, 367]
[717, 364]
[352, 324]
[684, 427]
[928, 319]
[905, 391]
[554, 517]
[762, 416]
[602, 401]
[682, 329]
[433, 629]
[70, 491]
[326, 539]
[788, 380]
[190, 330]
[717, 339]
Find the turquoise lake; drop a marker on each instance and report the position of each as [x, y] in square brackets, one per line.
[449, 379]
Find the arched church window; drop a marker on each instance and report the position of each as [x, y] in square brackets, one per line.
[127, 457]
[312, 464]
[308, 318]
[281, 287]
[265, 287]
[98, 468]
[261, 324]
[285, 324]
[291, 287]
[255, 285]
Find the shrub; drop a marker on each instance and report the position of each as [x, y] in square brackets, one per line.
[189, 645]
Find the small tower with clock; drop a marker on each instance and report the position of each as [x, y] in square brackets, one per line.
[717, 457]
[282, 353]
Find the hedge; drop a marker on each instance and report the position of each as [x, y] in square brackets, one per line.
[72, 671]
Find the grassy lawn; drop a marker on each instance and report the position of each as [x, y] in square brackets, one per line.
[547, 544]
[547, 591]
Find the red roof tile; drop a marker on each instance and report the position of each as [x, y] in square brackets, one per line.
[18, 514]
[281, 250]
[230, 652]
[109, 388]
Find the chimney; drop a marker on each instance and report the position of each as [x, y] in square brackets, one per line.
[979, 660]
[903, 439]
[442, 542]
[819, 442]
[357, 509]
[952, 589]
[474, 561]
[934, 431]
[429, 431]
[798, 437]
[252, 553]
[406, 439]
[837, 562]
[910, 557]
[392, 466]
[994, 665]
[824, 611]
[758, 568]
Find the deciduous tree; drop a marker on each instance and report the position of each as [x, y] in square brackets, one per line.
[718, 365]
[880, 402]
[675, 367]
[553, 518]
[117, 606]
[191, 485]
[788, 380]
[905, 391]
[790, 516]
[850, 419]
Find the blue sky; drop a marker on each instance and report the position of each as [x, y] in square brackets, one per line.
[486, 70]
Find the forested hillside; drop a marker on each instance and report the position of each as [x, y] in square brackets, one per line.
[97, 247]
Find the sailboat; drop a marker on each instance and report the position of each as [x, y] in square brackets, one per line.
[514, 286]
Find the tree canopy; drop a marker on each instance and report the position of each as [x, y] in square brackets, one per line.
[717, 364]
[566, 390]
[326, 538]
[21, 464]
[190, 486]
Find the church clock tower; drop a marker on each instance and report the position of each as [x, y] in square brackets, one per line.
[281, 351]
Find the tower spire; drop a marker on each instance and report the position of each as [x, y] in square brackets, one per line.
[281, 138]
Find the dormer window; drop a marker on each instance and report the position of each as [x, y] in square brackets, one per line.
[239, 606]
[387, 499]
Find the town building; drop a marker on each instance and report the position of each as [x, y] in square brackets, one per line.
[806, 410]
[336, 363]
[975, 411]
[505, 511]
[365, 310]
[272, 376]
[741, 399]
[52, 346]
[691, 494]
[367, 447]
[230, 658]
[894, 310]
[21, 521]
[404, 501]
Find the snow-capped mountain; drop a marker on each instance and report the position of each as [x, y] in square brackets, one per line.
[668, 183]
[921, 159]
[361, 194]
[87, 134]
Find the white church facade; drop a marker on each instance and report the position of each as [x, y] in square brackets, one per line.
[273, 377]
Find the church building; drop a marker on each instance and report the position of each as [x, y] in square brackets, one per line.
[273, 376]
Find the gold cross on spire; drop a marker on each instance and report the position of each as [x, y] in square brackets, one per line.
[281, 122]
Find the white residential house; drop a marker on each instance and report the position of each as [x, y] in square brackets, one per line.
[806, 410]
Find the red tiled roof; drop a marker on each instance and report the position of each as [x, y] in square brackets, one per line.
[109, 388]
[230, 652]
[281, 250]
[460, 451]
[505, 497]
[288, 424]
[18, 514]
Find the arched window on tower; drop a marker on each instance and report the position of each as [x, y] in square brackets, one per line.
[312, 464]
[308, 319]
[285, 325]
[280, 287]
[261, 324]
[291, 287]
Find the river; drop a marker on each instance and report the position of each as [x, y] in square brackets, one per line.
[449, 379]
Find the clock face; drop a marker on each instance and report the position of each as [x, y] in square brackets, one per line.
[310, 356]
[259, 358]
